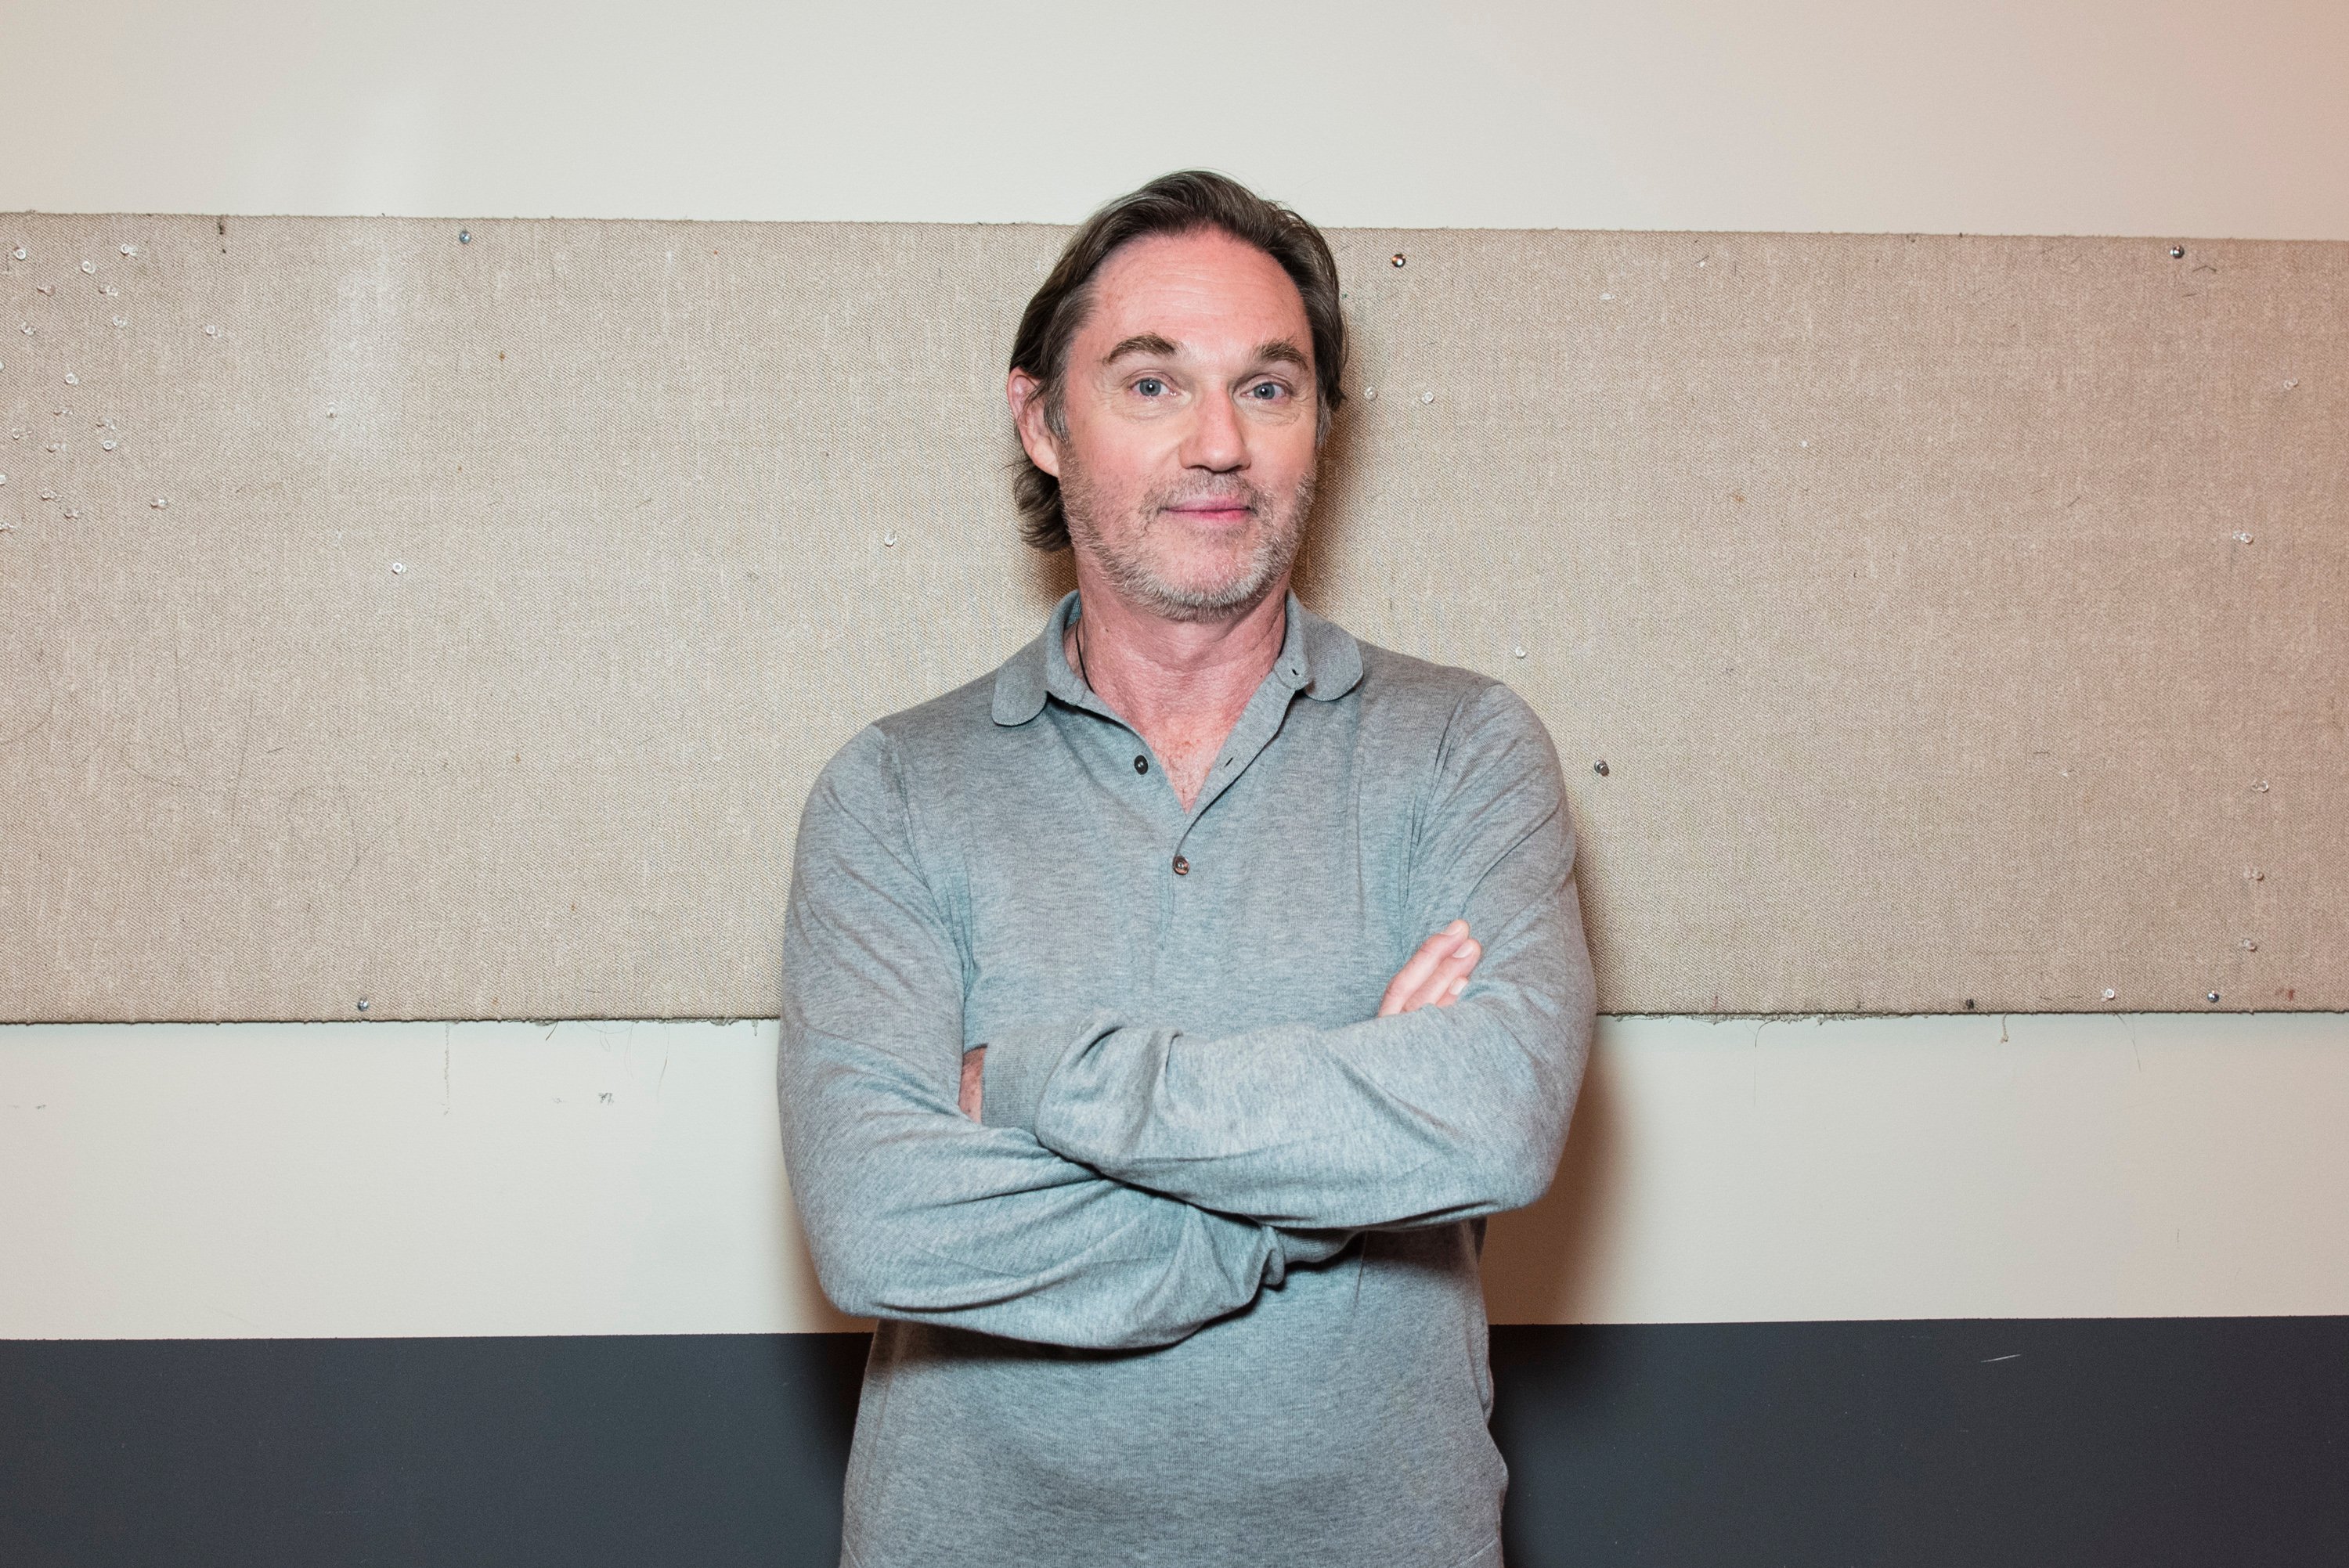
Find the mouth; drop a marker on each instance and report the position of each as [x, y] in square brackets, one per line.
[1213, 510]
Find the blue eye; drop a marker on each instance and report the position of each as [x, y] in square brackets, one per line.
[1264, 391]
[1150, 386]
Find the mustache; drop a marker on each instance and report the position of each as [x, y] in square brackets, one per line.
[1242, 494]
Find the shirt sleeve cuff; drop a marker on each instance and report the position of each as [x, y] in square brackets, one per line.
[1297, 1248]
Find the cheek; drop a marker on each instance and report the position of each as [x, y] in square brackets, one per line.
[1116, 458]
[1096, 485]
[1287, 456]
[1107, 488]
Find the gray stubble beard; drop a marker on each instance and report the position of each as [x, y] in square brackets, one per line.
[1129, 571]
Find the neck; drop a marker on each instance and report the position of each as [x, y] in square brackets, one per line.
[1180, 683]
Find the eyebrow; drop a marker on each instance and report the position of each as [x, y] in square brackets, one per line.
[1276, 351]
[1280, 351]
[1141, 343]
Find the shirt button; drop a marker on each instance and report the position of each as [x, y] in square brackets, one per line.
[1182, 867]
[1142, 764]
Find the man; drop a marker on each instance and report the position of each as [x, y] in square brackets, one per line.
[1164, 1013]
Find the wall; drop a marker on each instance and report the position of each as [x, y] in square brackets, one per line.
[233, 1181]
[2085, 116]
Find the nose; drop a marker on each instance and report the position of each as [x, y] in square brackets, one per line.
[1216, 439]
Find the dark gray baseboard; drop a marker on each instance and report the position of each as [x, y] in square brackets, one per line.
[2080, 1443]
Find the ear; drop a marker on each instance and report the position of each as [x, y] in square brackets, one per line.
[1026, 396]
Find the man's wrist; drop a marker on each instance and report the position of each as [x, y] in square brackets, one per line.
[974, 1085]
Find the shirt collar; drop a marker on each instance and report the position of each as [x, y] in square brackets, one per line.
[1318, 657]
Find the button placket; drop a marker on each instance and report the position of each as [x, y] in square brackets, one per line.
[1250, 738]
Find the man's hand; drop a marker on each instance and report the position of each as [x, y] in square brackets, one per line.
[1434, 976]
[974, 1063]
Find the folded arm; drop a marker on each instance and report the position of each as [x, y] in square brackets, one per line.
[911, 1209]
[1422, 1117]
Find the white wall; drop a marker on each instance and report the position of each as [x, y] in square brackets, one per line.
[2131, 116]
[350, 1179]
[390, 1179]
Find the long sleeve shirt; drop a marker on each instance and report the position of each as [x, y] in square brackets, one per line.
[1202, 1288]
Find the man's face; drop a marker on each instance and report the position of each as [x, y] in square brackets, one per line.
[1190, 410]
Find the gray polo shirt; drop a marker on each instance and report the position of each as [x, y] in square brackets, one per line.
[1203, 1289]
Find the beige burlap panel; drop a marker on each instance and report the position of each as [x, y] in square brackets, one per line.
[456, 625]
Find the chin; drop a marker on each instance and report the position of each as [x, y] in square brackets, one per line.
[1207, 590]
[1178, 575]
